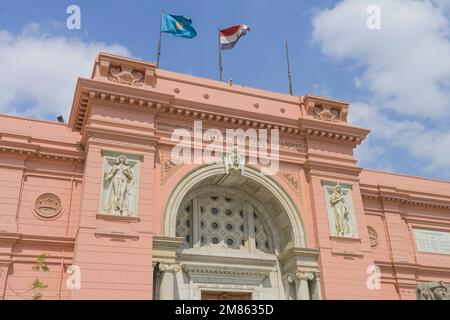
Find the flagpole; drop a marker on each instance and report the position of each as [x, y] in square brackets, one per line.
[220, 58]
[159, 41]
[289, 68]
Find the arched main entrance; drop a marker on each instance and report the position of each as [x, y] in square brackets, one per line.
[233, 234]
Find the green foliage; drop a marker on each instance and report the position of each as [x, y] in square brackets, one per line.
[36, 296]
[37, 285]
[40, 263]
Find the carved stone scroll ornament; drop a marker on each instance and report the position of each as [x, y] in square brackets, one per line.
[326, 113]
[168, 166]
[126, 75]
[433, 291]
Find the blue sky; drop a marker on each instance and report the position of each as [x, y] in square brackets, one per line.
[396, 78]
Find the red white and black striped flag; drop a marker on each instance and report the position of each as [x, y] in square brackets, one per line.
[230, 36]
[228, 39]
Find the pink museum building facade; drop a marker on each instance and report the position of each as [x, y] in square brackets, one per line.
[119, 218]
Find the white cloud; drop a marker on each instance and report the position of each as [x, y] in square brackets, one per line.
[405, 70]
[39, 70]
[426, 145]
[406, 63]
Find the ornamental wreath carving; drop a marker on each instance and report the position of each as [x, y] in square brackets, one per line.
[373, 236]
[47, 205]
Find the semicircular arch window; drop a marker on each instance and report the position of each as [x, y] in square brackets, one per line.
[223, 222]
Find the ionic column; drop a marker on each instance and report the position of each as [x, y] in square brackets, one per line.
[301, 283]
[168, 272]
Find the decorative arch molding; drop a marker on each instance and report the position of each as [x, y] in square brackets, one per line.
[191, 179]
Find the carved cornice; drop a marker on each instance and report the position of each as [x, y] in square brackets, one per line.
[405, 198]
[410, 268]
[162, 103]
[295, 260]
[167, 243]
[40, 154]
[25, 238]
[31, 148]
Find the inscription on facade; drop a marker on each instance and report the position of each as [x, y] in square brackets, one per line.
[432, 241]
[286, 145]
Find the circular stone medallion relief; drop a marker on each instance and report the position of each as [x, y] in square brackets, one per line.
[373, 236]
[47, 205]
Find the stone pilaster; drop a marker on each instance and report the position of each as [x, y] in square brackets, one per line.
[302, 285]
[168, 278]
[289, 286]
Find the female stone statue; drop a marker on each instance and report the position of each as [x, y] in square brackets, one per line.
[340, 212]
[119, 178]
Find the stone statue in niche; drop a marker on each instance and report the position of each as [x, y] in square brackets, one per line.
[341, 212]
[433, 291]
[118, 182]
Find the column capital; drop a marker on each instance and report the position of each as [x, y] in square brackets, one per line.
[289, 277]
[304, 275]
[165, 267]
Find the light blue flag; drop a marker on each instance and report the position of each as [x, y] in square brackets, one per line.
[179, 26]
